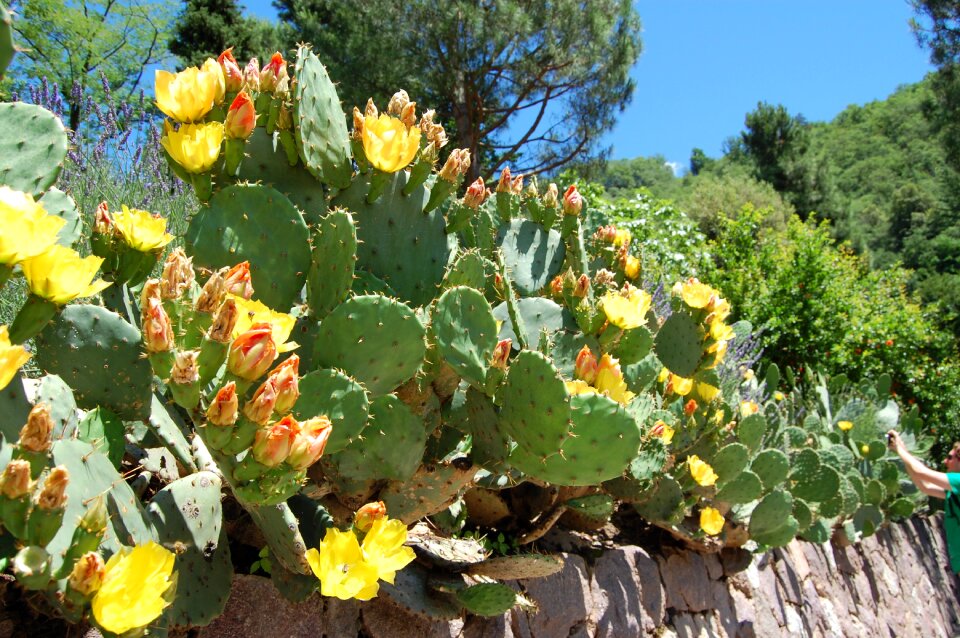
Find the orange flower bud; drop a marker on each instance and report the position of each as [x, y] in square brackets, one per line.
[87, 574]
[475, 195]
[505, 183]
[177, 274]
[237, 280]
[156, 327]
[185, 369]
[572, 201]
[272, 444]
[35, 435]
[15, 480]
[232, 74]
[224, 321]
[586, 366]
[516, 186]
[213, 292]
[367, 515]
[309, 442]
[457, 165]
[251, 76]
[556, 286]
[102, 222]
[582, 288]
[357, 124]
[409, 115]
[241, 118]
[690, 407]
[54, 493]
[271, 73]
[259, 408]
[371, 109]
[252, 353]
[223, 408]
[606, 234]
[500, 354]
[286, 381]
[552, 197]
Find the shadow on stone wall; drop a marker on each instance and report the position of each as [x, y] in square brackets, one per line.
[895, 583]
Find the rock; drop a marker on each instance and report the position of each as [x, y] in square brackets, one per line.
[626, 594]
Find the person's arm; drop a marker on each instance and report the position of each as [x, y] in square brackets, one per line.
[930, 482]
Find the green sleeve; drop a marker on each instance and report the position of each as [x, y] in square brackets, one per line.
[954, 479]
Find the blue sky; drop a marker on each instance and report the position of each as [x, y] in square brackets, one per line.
[706, 63]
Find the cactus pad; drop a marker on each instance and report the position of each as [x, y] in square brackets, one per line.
[431, 489]
[663, 503]
[517, 566]
[772, 467]
[322, 137]
[678, 344]
[744, 488]
[332, 262]
[340, 399]
[7, 50]
[812, 480]
[634, 345]
[256, 224]
[59, 204]
[63, 408]
[772, 522]
[750, 430]
[391, 447]
[465, 332]
[98, 354]
[33, 145]
[469, 269]
[400, 244]
[411, 591]
[566, 346]
[874, 493]
[533, 255]
[378, 341]
[487, 599]
[535, 407]
[539, 315]
[730, 461]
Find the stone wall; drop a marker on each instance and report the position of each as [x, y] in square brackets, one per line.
[895, 583]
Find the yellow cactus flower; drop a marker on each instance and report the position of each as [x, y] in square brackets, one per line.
[610, 381]
[707, 392]
[141, 230]
[711, 521]
[663, 431]
[251, 311]
[61, 275]
[845, 425]
[579, 387]
[748, 407]
[680, 385]
[195, 147]
[189, 95]
[388, 144]
[696, 294]
[383, 548]
[664, 375]
[339, 565]
[626, 311]
[720, 331]
[134, 582]
[622, 237]
[11, 358]
[701, 471]
[779, 396]
[27, 229]
[631, 267]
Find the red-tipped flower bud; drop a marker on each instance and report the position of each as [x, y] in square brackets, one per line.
[251, 76]
[232, 75]
[241, 118]
[309, 443]
[87, 574]
[224, 321]
[475, 195]
[252, 353]
[237, 281]
[259, 408]
[501, 353]
[156, 327]
[582, 288]
[505, 183]
[213, 292]
[223, 408]
[556, 286]
[286, 381]
[572, 201]
[271, 73]
[585, 367]
[552, 197]
[457, 165]
[15, 480]
[690, 407]
[102, 222]
[177, 274]
[272, 444]
[367, 515]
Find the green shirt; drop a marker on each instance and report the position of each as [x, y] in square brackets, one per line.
[951, 520]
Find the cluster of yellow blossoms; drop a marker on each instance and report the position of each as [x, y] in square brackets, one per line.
[599, 377]
[187, 97]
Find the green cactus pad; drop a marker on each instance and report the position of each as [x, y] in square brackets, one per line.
[391, 447]
[15, 407]
[539, 315]
[772, 467]
[59, 204]
[99, 355]
[517, 566]
[796, 437]
[888, 474]
[839, 457]
[332, 262]
[258, 224]
[811, 480]
[376, 340]
[470, 269]
[266, 163]
[634, 345]
[63, 408]
[901, 508]
[744, 488]
[535, 407]
[729, 461]
[750, 430]
[366, 284]
[867, 520]
[641, 375]
[875, 451]
[487, 599]
[566, 346]
[187, 513]
[92, 474]
[33, 145]
[340, 399]
[281, 531]
[167, 425]
[465, 331]
[772, 522]
[104, 430]
[664, 502]
[400, 244]
[322, 137]
[431, 489]
[594, 506]
[411, 591]
[679, 344]
[801, 512]
[874, 493]
[533, 255]
[856, 480]
[473, 413]
[818, 532]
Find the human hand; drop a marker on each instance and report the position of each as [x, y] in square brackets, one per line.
[894, 442]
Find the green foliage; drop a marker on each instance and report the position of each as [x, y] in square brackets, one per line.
[713, 194]
[621, 178]
[206, 28]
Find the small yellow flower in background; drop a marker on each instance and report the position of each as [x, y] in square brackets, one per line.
[61, 275]
[696, 294]
[626, 311]
[189, 95]
[664, 375]
[680, 385]
[195, 147]
[663, 431]
[707, 392]
[579, 386]
[748, 407]
[779, 396]
[142, 231]
[388, 144]
[622, 237]
[383, 548]
[864, 449]
[701, 471]
[11, 358]
[631, 267]
[27, 229]
[845, 425]
[711, 521]
[339, 565]
[251, 311]
[134, 582]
